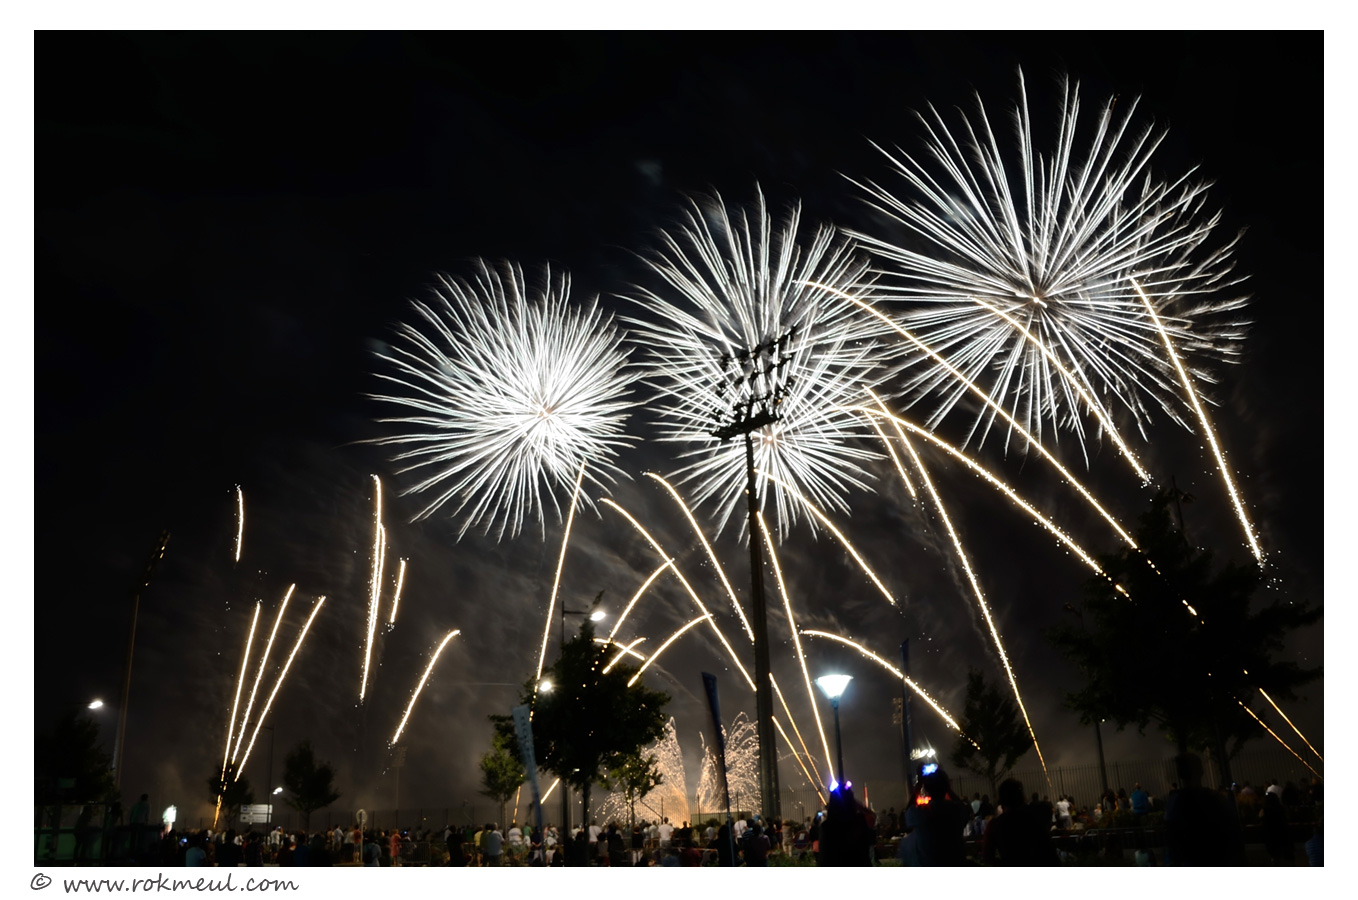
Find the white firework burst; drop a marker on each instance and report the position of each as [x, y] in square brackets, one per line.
[755, 334]
[1054, 242]
[506, 397]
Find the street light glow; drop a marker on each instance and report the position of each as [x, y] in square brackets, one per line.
[544, 686]
[277, 791]
[833, 685]
[95, 704]
[598, 615]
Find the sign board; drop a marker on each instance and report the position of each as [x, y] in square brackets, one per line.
[362, 818]
[256, 813]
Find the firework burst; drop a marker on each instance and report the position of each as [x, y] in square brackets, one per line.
[746, 336]
[505, 396]
[1020, 270]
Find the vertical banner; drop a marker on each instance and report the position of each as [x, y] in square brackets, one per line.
[523, 729]
[710, 686]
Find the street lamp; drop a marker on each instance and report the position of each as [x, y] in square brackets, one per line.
[95, 704]
[833, 686]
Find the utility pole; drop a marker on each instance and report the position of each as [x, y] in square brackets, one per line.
[121, 738]
[756, 381]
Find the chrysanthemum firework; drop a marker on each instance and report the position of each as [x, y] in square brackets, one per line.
[749, 327]
[506, 396]
[1057, 243]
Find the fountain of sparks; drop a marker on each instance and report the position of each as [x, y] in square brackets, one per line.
[742, 769]
[669, 799]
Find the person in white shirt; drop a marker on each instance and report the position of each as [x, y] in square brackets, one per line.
[666, 832]
[1063, 812]
[515, 835]
[741, 825]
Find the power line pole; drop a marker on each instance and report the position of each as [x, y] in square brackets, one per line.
[121, 738]
[757, 381]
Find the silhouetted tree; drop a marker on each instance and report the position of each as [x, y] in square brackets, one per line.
[311, 785]
[590, 721]
[70, 755]
[636, 777]
[501, 773]
[234, 792]
[990, 718]
[1184, 646]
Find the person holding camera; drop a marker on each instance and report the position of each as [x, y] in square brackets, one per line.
[937, 820]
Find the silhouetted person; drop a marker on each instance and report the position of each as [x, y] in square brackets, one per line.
[936, 820]
[1277, 841]
[1021, 834]
[1202, 827]
[722, 843]
[845, 839]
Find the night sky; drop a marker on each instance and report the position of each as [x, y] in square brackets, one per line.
[229, 226]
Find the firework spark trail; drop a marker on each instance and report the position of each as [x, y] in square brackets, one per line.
[797, 646]
[909, 485]
[1058, 252]
[791, 720]
[1085, 395]
[240, 520]
[623, 650]
[979, 470]
[376, 588]
[427, 669]
[259, 676]
[396, 601]
[923, 694]
[813, 780]
[1033, 441]
[1206, 425]
[278, 684]
[1289, 722]
[556, 581]
[848, 545]
[240, 684]
[637, 596]
[1276, 738]
[744, 327]
[511, 390]
[721, 571]
[688, 587]
[980, 598]
[670, 640]
[549, 791]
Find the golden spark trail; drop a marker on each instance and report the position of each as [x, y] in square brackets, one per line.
[980, 599]
[376, 588]
[835, 531]
[1289, 722]
[240, 684]
[622, 651]
[979, 470]
[958, 374]
[278, 684]
[672, 638]
[1206, 425]
[1075, 383]
[396, 601]
[556, 582]
[910, 486]
[796, 643]
[259, 676]
[810, 779]
[240, 520]
[427, 669]
[773, 682]
[549, 791]
[688, 587]
[923, 695]
[1276, 738]
[637, 596]
[721, 572]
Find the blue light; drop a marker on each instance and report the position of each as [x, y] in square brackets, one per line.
[834, 785]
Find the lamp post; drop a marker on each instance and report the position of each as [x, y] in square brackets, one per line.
[833, 686]
[595, 615]
[121, 735]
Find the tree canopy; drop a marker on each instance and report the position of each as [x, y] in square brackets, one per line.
[234, 792]
[70, 766]
[589, 721]
[1186, 646]
[311, 785]
[990, 718]
[636, 777]
[501, 772]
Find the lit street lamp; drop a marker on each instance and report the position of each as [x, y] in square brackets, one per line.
[833, 686]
